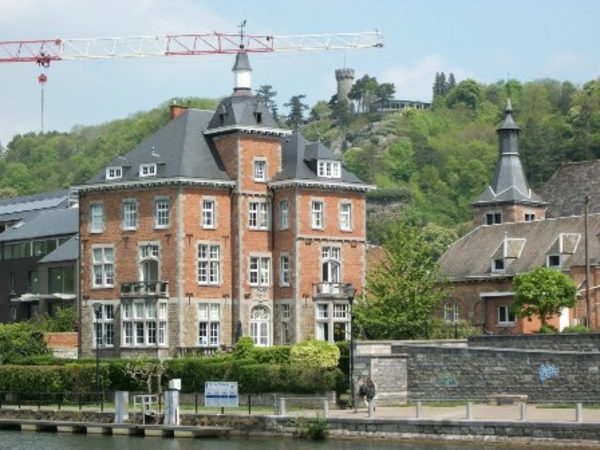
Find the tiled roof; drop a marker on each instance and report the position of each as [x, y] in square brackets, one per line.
[524, 244]
[565, 191]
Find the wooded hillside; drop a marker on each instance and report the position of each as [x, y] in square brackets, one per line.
[429, 164]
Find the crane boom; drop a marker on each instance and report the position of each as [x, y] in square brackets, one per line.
[45, 51]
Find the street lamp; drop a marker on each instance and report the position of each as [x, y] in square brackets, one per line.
[97, 312]
[350, 293]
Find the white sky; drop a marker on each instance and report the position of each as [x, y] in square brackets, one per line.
[481, 39]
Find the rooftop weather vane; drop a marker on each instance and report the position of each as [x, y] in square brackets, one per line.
[241, 27]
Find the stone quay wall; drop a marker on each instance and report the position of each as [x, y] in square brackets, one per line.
[550, 368]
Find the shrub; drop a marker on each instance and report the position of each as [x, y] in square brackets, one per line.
[576, 329]
[315, 354]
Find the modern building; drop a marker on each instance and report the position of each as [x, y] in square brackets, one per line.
[36, 228]
[220, 224]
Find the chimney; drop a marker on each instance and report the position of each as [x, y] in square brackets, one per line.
[177, 110]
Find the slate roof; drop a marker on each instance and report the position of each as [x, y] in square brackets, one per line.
[241, 110]
[68, 251]
[509, 184]
[184, 150]
[179, 149]
[54, 222]
[299, 162]
[565, 191]
[523, 244]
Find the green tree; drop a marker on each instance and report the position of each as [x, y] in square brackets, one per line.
[384, 92]
[402, 289]
[267, 95]
[363, 91]
[295, 117]
[542, 292]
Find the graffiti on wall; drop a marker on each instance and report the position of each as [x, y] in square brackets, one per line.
[446, 379]
[547, 371]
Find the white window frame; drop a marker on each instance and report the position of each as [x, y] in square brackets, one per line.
[529, 217]
[162, 208]
[96, 217]
[329, 169]
[258, 215]
[260, 170]
[451, 312]
[147, 170]
[504, 310]
[130, 214]
[209, 324]
[346, 216]
[260, 271]
[284, 215]
[260, 326]
[327, 315]
[208, 213]
[208, 264]
[114, 172]
[103, 266]
[144, 323]
[284, 270]
[317, 214]
[104, 326]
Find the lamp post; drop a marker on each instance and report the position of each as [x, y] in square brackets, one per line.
[350, 293]
[97, 311]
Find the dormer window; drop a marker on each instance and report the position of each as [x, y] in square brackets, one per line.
[114, 173]
[329, 169]
[258, 118]
[498, 265]
[148, 170]
[553, 261]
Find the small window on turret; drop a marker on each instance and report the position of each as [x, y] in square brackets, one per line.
[493, 218]
[222, 119]
[258, 117]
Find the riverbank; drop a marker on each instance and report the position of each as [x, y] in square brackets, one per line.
[548, 427]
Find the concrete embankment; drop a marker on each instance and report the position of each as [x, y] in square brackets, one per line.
[541, 426]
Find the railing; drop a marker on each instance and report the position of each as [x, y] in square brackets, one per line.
[46, 399]
[145, 289]
[330, 290]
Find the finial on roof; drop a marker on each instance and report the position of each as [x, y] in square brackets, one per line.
[508, 108]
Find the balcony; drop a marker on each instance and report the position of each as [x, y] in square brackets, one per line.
[137, 289]
[330, 291]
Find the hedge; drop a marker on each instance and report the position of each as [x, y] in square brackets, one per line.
[194, 372]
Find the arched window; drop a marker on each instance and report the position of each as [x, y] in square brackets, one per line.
[260, 326]
[149, 257]
[330, 270]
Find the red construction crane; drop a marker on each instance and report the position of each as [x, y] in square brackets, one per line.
[45, 51]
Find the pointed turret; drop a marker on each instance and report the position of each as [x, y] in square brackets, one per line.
[508, 198]
[242, 74]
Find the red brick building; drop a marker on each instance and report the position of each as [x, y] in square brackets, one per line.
[220, 224]
[513, 236]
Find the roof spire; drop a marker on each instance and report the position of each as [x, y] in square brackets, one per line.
[241, 73]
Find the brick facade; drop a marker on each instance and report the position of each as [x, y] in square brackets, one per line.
[255, 292]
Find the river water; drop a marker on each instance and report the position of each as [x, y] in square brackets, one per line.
[18, 440]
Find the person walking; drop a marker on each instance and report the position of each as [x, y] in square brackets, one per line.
[370, 393]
